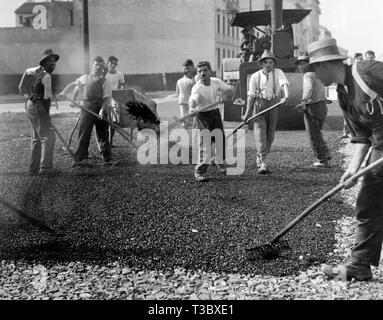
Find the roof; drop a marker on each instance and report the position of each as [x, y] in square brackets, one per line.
[26, 8]
[263, 18]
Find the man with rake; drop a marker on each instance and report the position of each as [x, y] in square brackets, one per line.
[360, 91]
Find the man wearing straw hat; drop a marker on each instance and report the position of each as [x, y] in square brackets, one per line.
[37, 108]
[314, 109]
[264, 91]
[360, 88]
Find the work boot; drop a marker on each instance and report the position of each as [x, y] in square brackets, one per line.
[321, 164]
[220, 167]
[200, 178]
[264, 169]
[350, 271]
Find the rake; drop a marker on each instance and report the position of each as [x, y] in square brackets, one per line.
[275, 247]
[37, 223]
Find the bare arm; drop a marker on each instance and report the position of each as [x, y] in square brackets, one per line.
[250, 107]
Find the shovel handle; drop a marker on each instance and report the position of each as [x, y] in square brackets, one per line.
[114, 126]
[328, 195]
[253, 117]
[193, 114]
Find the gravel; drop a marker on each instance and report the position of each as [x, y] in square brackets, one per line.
[151, 232]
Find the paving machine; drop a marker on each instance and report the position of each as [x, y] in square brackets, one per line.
[275, 32]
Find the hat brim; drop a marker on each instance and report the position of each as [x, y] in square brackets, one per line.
[335, 57]
[261, 60]
[56, 56]
[300, 60]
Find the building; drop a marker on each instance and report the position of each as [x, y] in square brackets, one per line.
[45, 14]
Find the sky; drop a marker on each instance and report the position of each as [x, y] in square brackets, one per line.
[356, 25]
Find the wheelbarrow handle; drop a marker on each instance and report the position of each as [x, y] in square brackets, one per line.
[113, 125]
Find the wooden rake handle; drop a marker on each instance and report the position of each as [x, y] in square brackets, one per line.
[253, 117]
[328, 195]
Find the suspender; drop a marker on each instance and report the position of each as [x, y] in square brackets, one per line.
[368, 91]
[274, 85]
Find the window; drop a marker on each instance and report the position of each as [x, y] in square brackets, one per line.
[228, 27]
[223, 25]
[218, 23]
[219, 57]
[232, 32]
[237, 33]
[223, 54]
[21, 20]
[232, 52]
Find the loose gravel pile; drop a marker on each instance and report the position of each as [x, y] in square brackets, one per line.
[151, 232]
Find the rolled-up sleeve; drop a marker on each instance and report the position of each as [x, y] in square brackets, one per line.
[307, 87]
[252, 86]
[282, 80]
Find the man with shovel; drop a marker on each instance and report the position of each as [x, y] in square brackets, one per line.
[205, 92]
[360, 88]
[37, 108]
[314, 109]
[265, 91]
[97, 99]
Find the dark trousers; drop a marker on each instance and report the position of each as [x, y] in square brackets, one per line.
[369, 209]
[314, 118]
[210, 121]
[87, 121]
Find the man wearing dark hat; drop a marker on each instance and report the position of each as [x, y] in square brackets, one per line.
[314, 109]
[97, 98]
[265, 88]
[360, 88]
[37, 108]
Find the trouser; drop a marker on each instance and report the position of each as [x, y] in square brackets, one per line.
[43, 137]
[264, 127]
[209, 123]
[314, 118]
[87, 121]
[369, 210]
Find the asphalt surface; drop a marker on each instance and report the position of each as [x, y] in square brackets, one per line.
[156, 217]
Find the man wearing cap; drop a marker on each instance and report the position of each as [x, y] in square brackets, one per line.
[364, 116]
[264, 91]
[98, 94]
[37, 108]
[314, 110]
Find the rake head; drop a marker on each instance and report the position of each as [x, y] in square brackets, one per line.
[268, 251]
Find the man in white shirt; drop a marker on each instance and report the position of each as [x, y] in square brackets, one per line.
[205, 92]
[184, 87]
[265, 88]
[117, 82]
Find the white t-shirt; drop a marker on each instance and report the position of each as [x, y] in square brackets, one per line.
[205, 95]
[183, 88]
[269, 87]
[115, 79]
